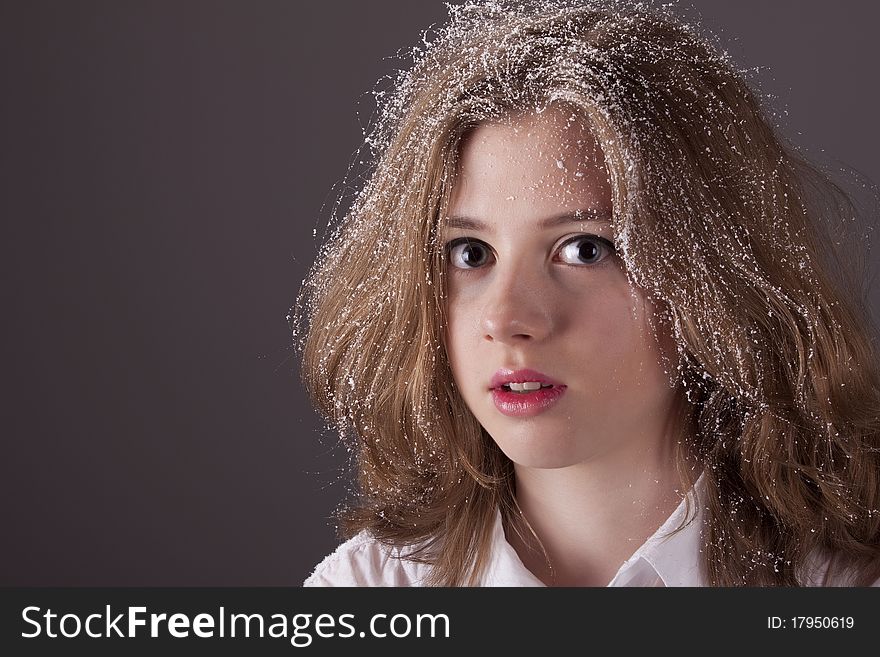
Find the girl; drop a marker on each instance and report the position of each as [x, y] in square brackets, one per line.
[583, 325]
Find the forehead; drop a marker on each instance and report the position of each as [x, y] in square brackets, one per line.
[547, 162]
[554, 127]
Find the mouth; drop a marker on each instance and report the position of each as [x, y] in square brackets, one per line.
[525, 387]
[524, 393]
[522, 381]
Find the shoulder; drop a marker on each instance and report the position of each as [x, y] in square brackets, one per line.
[364, 561]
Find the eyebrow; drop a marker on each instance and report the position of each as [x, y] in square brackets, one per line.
[576, 216]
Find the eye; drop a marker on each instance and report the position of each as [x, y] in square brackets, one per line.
[466, 253]
[585, 250]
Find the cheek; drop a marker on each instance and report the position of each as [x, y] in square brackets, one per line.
[457, 334]
[639, 348]
[621, 328]
[466, 348]
[463, 300]
[609, 314]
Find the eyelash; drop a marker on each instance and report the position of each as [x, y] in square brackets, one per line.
[609, 246]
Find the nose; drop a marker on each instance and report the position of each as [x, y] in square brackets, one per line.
[518, 307]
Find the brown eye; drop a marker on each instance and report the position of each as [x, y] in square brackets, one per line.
[469, 254]
[585, 250]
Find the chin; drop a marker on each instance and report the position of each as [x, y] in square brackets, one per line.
[541, 451]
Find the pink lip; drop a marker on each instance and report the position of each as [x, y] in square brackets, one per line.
[524, 404]
[519, 376]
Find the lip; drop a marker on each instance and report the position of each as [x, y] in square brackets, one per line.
[528, 404]
[503, 376]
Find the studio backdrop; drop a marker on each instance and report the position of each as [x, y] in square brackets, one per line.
[168, 169]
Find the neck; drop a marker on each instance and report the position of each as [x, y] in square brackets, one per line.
[592, 516]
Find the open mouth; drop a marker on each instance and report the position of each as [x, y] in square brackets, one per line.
[526, 398]
[525, 387]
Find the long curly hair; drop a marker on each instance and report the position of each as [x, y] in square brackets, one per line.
[723, 225]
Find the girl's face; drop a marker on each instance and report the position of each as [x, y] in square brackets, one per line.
[537, 297]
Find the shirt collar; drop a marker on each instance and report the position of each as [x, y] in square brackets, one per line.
[505, 568]
[667, 558]
[674, 556]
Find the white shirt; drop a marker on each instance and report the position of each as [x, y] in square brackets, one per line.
[665, 559]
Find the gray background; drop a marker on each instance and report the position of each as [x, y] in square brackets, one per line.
[162, 167]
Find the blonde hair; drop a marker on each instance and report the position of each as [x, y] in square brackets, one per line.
[713, 218]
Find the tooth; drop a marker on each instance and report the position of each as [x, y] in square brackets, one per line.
[525, 386]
